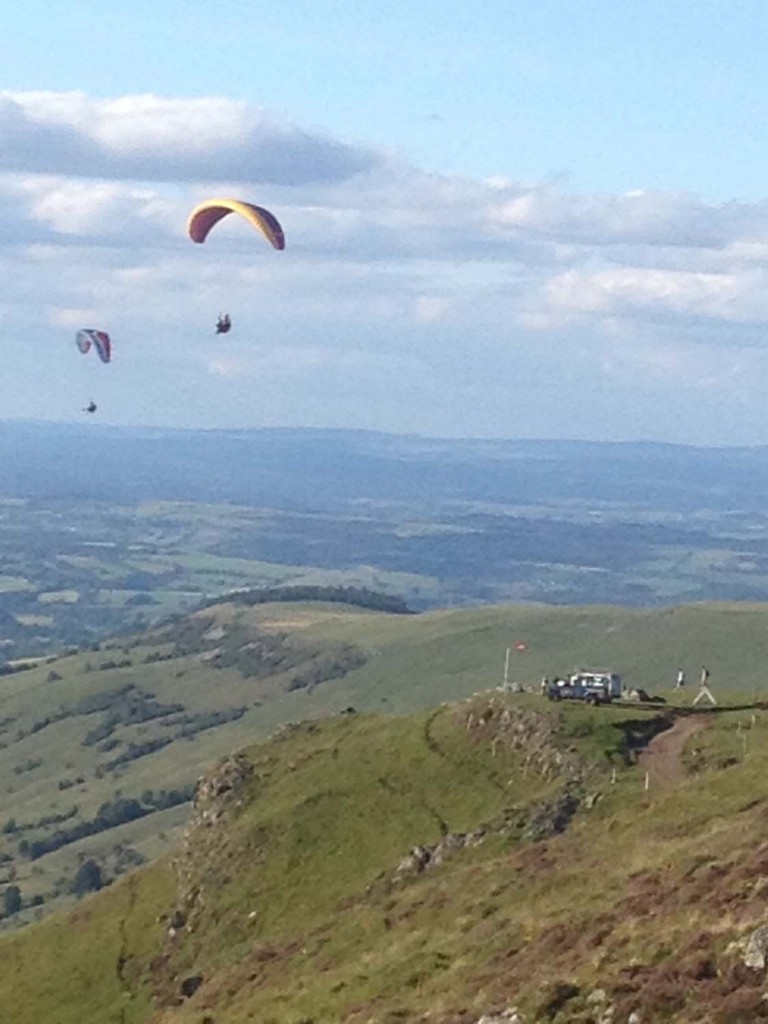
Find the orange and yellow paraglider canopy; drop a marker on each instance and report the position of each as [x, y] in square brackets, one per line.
[209, 213]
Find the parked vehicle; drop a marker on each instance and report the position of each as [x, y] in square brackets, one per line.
[593, 687]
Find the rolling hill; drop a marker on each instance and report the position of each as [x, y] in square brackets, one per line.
[99, 750]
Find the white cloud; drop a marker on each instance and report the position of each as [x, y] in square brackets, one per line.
[728, 297]
[74, 319]
[153, 139]
[645, 363]
[430, 309]
[397, 286]
[639, 217]
[225, 366]
[94, 208]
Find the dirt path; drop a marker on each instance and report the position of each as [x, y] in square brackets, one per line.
[662, 758]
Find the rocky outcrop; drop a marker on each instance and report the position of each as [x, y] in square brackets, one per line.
[422, 857]
[554, 816]
[599, 1011]
[534, 736]
[754, 949]
[536, 823]
[217, 794]
[509, 1016]
[529, 733]
[214, 792]
[190, 985]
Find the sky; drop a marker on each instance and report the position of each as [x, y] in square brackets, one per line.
[506, 219]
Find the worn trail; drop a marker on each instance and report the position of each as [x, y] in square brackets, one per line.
[663, 757]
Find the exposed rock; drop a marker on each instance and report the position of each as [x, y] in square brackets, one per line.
[282, 732]
[509, 1016]
[190, 985]
[545, 820]
[217, 795]
[450, 844]
[598, 997]
[226, 778]
[755, 950]
[178, 919]
[550, 819]
[555, 998]
[415, 862]
[528, 732]
[640, 696]
[422, 857]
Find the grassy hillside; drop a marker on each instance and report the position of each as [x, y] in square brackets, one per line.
[551, 887]
[109, 741]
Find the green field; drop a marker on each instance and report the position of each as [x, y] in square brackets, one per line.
[103, 567]
[170, 702]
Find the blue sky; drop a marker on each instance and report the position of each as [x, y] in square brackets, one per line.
[605, 95]
[496, 214]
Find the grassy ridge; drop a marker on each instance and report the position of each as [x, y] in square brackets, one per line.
[439, 655]
[294, 914]
[332, 807]
[410, 662]
[641, 897]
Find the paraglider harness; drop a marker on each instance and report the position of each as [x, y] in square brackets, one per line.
[223, 324]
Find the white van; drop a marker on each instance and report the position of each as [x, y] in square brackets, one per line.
[608, 684]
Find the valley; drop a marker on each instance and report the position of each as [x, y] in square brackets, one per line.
[255, 762]
[100, 750]
[106, 531]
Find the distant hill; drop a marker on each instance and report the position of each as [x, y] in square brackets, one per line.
[358, 597]
[325, 469]
[105, 530]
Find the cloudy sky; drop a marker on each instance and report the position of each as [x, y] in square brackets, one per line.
[518, 218]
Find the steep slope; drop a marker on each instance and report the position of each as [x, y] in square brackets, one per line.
[100, 749]
[286, 836]
[435, 867]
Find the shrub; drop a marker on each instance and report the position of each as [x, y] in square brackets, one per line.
[11, 901]
[88, 878]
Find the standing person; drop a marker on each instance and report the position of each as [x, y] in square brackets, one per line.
[680, 679]
[544, 685]
[704, 691]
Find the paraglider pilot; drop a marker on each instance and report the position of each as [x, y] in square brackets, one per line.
[223, 324]
[91, 407]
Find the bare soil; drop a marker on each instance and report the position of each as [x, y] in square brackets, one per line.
[663, 757]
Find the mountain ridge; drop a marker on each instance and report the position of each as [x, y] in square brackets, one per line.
[448, 866]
